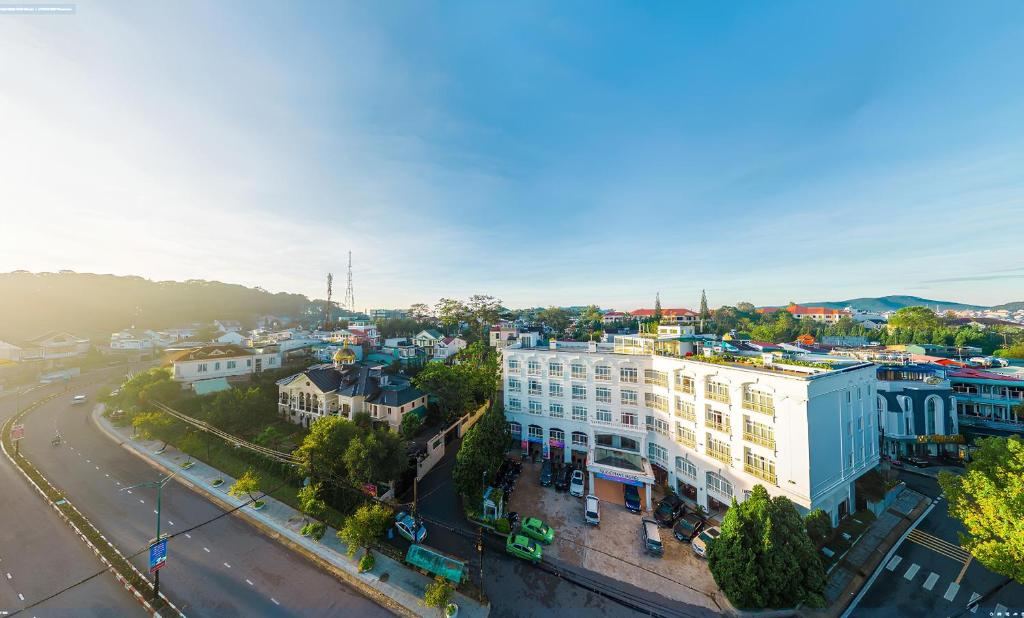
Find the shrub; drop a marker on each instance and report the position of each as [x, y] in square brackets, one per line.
[502, 525]
[366, 562]
[438, 593]
[819, 526]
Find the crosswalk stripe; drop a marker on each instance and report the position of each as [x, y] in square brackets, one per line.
[930, 582]
[912, 571]
[951, 591]
[974, 597]
[938, 545]
[895, 562]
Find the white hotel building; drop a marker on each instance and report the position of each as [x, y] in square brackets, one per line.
[640, 412]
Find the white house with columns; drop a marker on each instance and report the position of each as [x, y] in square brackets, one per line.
[640, 412]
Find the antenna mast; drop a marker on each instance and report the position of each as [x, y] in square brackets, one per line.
[350, 299]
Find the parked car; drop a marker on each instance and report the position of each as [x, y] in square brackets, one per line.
[546, 473]
[77, 399]
[406, 524]
[919, 462]
[703, 541]
[631, 497]
[576, 484]
[688, 526]
[536, 529]
[562, 478]
[669, 509]
[651, 534]
[592, 510]
[521, 546]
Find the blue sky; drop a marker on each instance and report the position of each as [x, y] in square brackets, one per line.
[544, 153]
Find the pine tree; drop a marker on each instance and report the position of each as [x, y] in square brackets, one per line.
[705, 313]
[657, 306]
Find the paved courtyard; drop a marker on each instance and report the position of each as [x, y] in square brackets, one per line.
[615, 548]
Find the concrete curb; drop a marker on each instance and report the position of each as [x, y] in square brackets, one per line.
[362, 586]
[117, 575]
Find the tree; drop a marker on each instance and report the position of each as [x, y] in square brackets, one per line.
[914, 318]
[819, 526]
[420, 312]
[989, 499]
[153, 425]
[484, 309]
[480, 455]
[365, 526]
[246, 485]
[451, 313]
[377, 456]
[206, 333]
[657, 306]
[411, 424]
[270, 436]
[705, 313]
[310, 502]
[447, 384]
[764, 557]
[1014, 351]
[321, 454]
[555, 318]
[438, 594]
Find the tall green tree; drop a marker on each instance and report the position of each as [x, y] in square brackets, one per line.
[914, 318]
[555, 318]
[377, 456]
[246, 485]
[450, 313]
[447, 384]
[322, 452]
[764, 557]
[989, 499]
[365, 526]
[480, 455]
[657, 307]
[705, 313]
[484, 309]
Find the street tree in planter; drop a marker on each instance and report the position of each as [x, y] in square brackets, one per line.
[312, 506]
[439, 593]
[247, 485]
[987, 498]
[365, 526]
[764, 557]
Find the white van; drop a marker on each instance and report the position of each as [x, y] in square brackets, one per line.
[592, 510]
[77, 399]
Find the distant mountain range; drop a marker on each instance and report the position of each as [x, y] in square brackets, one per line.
[892, 303]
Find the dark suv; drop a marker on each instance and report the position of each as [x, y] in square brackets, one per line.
[562, 478]
[546, 473]
[669, 510]
[688, 526]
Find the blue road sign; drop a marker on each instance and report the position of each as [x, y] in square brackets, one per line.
[157, 555]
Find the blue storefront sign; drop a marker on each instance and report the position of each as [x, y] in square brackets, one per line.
[157, 555]
[619, 479]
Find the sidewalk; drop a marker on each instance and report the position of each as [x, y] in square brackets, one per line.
[847, 578]
[932, 471]
[390, 583]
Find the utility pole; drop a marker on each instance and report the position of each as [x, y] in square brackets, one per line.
[159, 485]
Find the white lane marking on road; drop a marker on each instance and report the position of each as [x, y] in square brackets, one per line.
[107, 475]
[155, 512]
[21, 596]
[912, 571]
[142, 501]
[227, 565]
[206, 549]
[895, 562]
[187, 535]
[951, 591]
[8, 576]
[97, 467]
[88, 461]
[128, 490]
[974, 597]
[930, 582]
[118, 483]
[170, 522]
[274, 600]
[249, 581]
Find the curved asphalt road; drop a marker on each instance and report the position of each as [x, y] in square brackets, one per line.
[40, 554]
[224, 568]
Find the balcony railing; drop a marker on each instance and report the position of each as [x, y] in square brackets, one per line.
[618, 425]
[536, 391]
[717, 396]
[721, 455]
[688, 415]
[686, 441]
[722, 425]
[598, 377]
[761, 440]
[758, 406]
[760, 473]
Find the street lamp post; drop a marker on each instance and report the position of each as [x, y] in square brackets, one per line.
[159, 485]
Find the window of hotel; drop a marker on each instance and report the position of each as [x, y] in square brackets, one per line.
[686, 468]
[759, 466]
[716, 391]
[514, 385]
[880, 404]
[579, 413]
[716, 419]
[603, 394]
[719, 485]
[231, 365]
[515, 428]
[556, 434]
[657, 378]
[685, 410]
[555, 370]
[930, 409]
[554, 389]
[684, 383]
[579, 439]
[216, 366]
[513, 364]
[649, 423]
[661, 426]
[629, 397]
[514, 404]
[629, 418]
[536, 407]
[533, 368]
[603, 373]
[656, 452]
[657, 402]
[628, 374]
[605, 416]
[556, 410]
[719, 449]
[685, 435]
[849, 396]
[758, 433]
[758, 401]
[579, 371]
[535, 387]
[202, 367]
[579, 391]
[535, 432]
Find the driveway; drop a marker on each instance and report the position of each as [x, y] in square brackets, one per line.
[615, 549]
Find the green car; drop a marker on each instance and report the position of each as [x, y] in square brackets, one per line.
[522, 547]
[538, 530]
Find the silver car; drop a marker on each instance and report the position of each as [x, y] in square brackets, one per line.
[576, 484]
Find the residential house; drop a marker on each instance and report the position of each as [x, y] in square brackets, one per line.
[9, 352]
[401, 348]
[222, 361]
[502, 334]
[916, 410]
[818, 314]
[54, 346]
[614, 317]
[671, 316]
[227, 326]
[427, 340]
[233, 337]
[448, 347]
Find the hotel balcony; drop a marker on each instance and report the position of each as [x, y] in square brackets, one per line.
[765, 475]
[718, 426]
[722, 397]
[759, 440]
[763, 408]
[616, 425]
[723, 456]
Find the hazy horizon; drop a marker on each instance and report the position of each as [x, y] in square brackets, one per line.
[544, 154]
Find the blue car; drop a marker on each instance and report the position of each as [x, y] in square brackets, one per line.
[631, 496]
[406, 524]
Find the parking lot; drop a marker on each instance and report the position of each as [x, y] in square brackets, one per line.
[615, 548]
